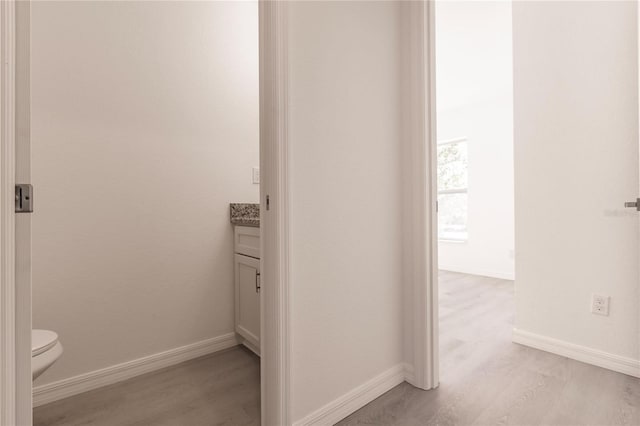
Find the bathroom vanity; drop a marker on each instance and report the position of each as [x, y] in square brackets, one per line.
[246, 237]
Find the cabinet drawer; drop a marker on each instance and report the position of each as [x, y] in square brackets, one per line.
[247, 241]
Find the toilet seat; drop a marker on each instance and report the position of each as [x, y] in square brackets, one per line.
[42, 341]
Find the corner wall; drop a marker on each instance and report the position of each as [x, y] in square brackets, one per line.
[145, 128]
[346, 228]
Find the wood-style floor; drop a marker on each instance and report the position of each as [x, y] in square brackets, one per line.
[485, 380]
[219, 389]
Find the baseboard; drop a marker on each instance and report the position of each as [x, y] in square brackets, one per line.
[584, 354]
[355, 399]
[409, 375]
[247, 344]
[64, 388]
[482, 272]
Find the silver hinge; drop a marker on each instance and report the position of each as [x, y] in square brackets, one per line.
[633, 204]
[24, 198]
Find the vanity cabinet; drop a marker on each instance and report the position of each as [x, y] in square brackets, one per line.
[247, 285]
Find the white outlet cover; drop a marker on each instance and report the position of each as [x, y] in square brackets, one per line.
[600, 304]
[255, 174]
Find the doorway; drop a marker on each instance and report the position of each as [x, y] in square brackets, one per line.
[570, 216]
[157, 131]
[272, 307]
[475, 176]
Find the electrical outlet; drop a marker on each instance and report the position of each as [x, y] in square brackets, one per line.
[256, 175]
[600, 305]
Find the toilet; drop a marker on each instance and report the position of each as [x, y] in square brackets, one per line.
[45, 350]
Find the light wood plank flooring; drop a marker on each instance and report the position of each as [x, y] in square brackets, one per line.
[485, 380]
[219, 389]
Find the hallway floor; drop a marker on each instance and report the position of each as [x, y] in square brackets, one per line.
[485, 380]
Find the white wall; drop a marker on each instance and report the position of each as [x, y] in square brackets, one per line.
[344, 62]
[474, 86]
[576, 162]
[145, 128]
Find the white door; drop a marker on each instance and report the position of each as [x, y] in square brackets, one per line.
[576, 164]
[247, 276]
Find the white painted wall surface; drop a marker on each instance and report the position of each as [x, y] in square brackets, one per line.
[576, 162]
[145, 128]
[474, 89]
[344, 62]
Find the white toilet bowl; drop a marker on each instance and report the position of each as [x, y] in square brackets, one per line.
[45, 350]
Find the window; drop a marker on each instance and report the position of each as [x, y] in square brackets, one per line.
[452, 190]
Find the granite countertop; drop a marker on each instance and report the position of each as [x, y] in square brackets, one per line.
[245, 214]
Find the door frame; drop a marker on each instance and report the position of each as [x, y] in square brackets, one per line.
[420, 229]
[275, 213]
[8, 325]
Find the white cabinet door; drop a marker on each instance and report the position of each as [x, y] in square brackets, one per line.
[247, 276]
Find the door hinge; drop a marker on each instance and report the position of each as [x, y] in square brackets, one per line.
[24, 198]
[258, 282]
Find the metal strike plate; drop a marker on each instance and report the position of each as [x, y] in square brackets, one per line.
[24, 198]
[633, 204]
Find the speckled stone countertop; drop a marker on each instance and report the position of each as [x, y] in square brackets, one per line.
[245, 214]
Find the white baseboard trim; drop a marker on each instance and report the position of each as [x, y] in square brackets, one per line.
[482, 272]
[64, 388]
[247, 344]
[409, 375]
[355, 399]
[584, 354]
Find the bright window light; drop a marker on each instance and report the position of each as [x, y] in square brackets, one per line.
[452, 190]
